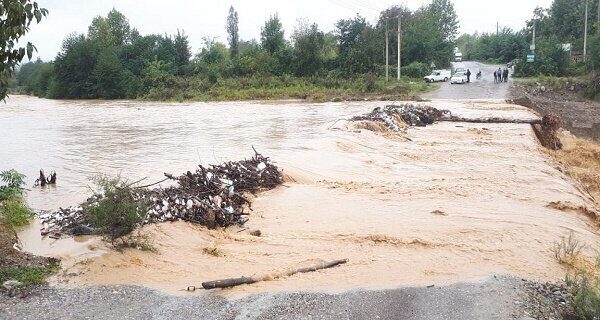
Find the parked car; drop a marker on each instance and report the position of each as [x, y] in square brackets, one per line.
[459, 77]
[438, 75]
[457, 70]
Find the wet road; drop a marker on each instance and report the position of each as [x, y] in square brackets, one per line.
[485, 88]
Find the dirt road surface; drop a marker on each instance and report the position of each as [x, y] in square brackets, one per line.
[450, 205]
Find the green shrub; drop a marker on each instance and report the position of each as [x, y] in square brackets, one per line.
[112, 210]
[416, 70]
[15, 212]
[27, 275]
[585, 296]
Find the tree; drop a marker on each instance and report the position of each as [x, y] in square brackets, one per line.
[442, 12]
[272, 35]
[114, 30]
[309, 44]
[182, 50]
[233, 32]
[359, 46]
[107, 76]
[73, 66]
[15, 18]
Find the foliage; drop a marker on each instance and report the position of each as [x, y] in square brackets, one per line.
[15, 18]
[113, 210]
[13, 209]
[28, 275]
[416, 70]
[13, 182]
[114, 61]
[550, 59]
[501, 47]
[583, 285]
[272, 35]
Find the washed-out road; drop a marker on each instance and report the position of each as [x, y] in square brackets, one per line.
[497, 297]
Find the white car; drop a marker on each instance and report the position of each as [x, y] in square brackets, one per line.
[438, 75]
[459, 77]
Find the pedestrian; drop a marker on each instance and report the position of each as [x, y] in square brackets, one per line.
[495, 76]
[468, 76]
[500, 75]
[506, 75]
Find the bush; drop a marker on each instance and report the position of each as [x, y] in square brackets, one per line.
[27, 275]
[15, 212]
[416, 70]
[112, 210]
[585, 296]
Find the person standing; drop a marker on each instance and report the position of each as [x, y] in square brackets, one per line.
[495, 76]
[500, 75]
[468, 76]
[505, 74]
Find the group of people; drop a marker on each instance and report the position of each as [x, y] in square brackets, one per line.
[501, 75]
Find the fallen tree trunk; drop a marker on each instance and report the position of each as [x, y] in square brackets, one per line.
[492, 120]
[232, 282]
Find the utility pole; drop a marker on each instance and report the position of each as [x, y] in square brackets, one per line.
[585, 31]
[533, 44]
[387, 52]
[497, 27]
[399, 42]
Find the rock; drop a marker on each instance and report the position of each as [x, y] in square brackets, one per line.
[255, 233]
[11, 284]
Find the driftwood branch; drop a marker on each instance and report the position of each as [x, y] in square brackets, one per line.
[232, 282]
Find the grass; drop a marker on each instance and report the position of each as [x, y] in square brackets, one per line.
[136, 240]
[28, 275]
[581, 160]
[315, 89]
[567, 249]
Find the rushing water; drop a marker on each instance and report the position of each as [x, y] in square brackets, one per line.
[473, 196]
[80, 139]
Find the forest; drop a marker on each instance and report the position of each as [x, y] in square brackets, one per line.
[113, 60]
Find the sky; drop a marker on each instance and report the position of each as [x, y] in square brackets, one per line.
[200, 18]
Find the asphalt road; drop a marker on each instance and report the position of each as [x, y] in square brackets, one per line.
[485, 88]
[497, 298]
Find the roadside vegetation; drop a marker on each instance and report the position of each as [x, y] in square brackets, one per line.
[582, 278]
[113, 60]
[18, 270]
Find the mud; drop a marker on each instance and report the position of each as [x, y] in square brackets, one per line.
[448, 204]
[579, 115]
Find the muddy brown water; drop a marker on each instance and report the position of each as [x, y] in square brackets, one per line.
[453, 202]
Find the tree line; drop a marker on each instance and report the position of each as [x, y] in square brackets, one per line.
[113, 60]
[561, 23]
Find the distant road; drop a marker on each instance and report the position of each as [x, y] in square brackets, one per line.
[477, 89]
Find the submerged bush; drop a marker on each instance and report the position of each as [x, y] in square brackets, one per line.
[113, 211]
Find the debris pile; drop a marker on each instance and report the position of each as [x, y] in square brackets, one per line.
[213, 196]
[397, 117]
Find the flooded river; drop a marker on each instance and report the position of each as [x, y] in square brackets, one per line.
[444, 203]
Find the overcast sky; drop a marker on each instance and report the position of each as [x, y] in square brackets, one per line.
[207, 18]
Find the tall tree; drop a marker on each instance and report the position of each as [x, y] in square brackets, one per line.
[446, 19]
[272, 35]
[233, 32]
[309, 44]
[15, 18]
[182, 49]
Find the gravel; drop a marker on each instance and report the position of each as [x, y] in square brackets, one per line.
[496, 298]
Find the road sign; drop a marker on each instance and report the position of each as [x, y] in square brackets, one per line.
[530, 58]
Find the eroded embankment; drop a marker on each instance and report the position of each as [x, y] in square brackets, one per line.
[450, 202]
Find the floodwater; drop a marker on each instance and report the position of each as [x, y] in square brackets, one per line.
[444, 203]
